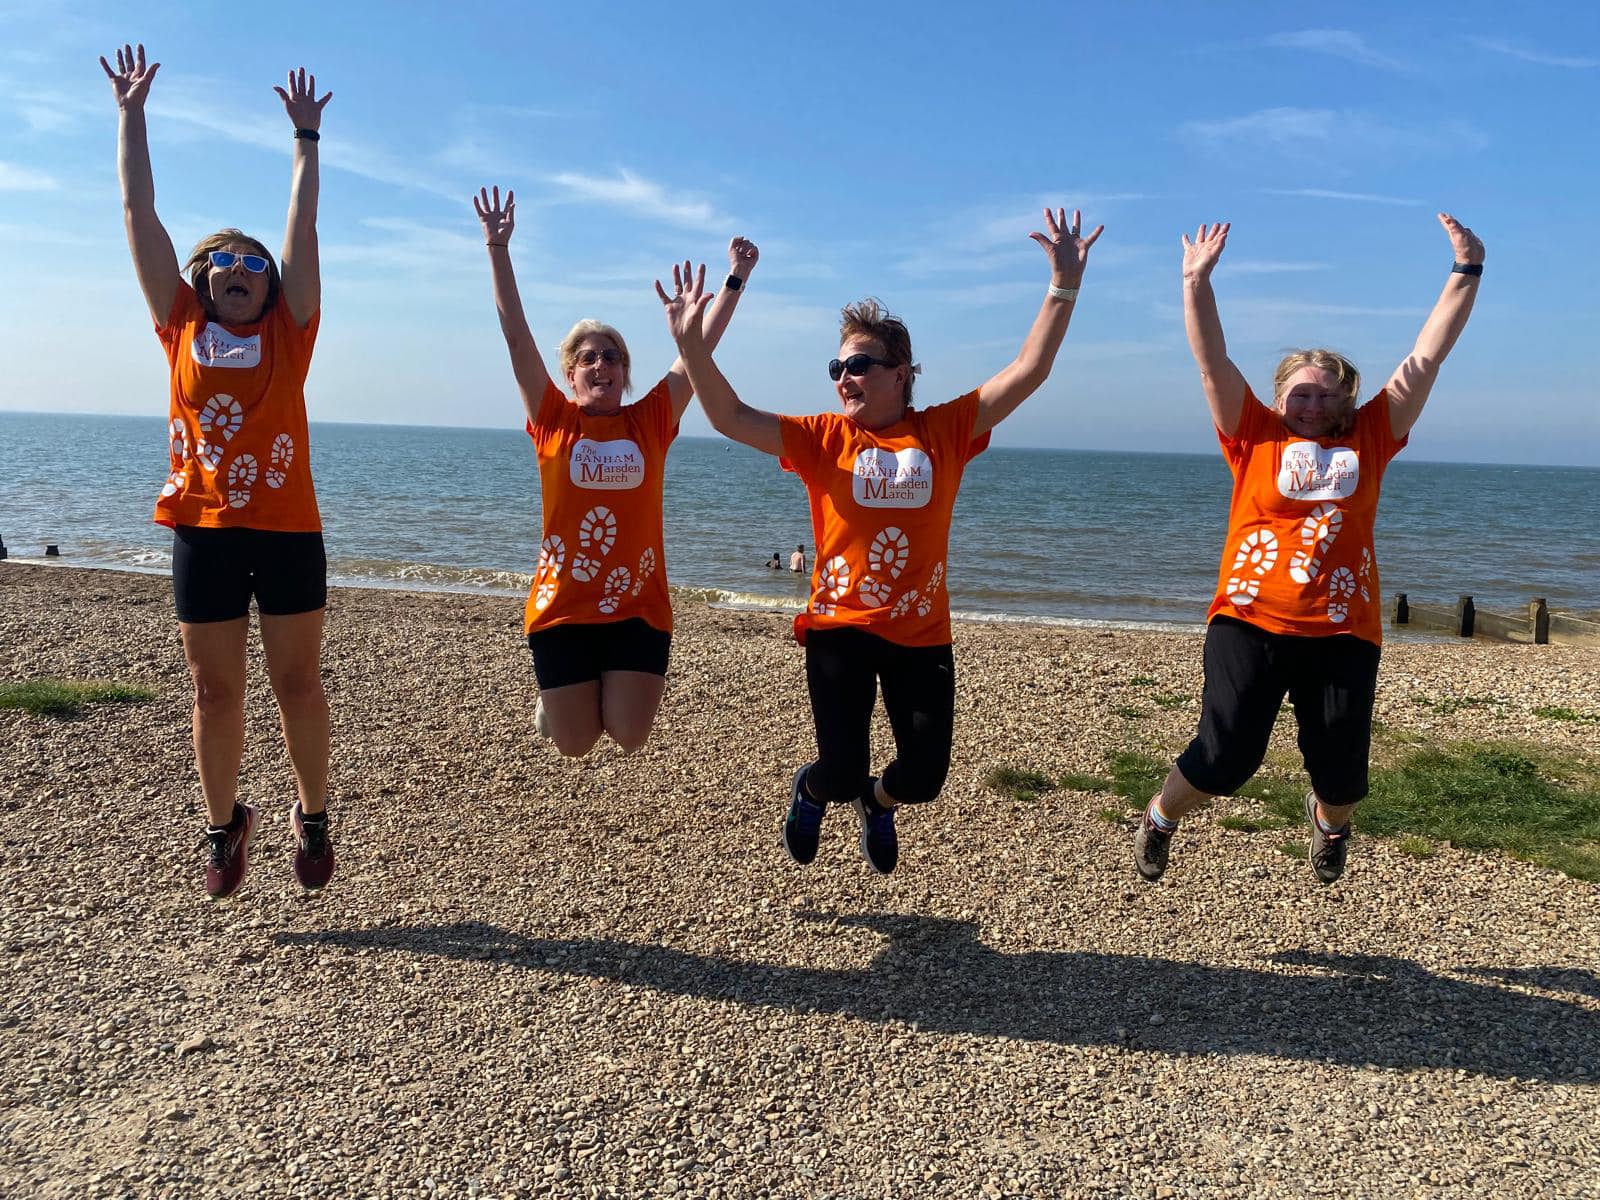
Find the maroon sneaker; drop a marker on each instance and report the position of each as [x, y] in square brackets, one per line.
[313, 852]
[228, 854]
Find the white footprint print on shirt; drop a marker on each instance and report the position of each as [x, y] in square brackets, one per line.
[873, 591]
[889, 551]
[1341, 586]
[598, 530]
[1258, 550]
[220, 419]
[241, 478]
[1317, 531]
[903, 605]
[647, 568]
[552, 556]
[617, 584]
[279, 459]
[176, 482]
[180, 440]
[1365, 573]
[836, 577]
[585, 568]
[1243, 590]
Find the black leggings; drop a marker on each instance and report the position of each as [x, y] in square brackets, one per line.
[843, 669]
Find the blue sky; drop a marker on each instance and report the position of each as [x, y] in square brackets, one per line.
[897, 150]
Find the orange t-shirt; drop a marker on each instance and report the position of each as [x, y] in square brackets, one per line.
[1299, 558]
[237, 427]
[602, 557]
[880, 516]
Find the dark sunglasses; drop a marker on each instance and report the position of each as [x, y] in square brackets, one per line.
[223, 259]
[588, 358]
[856, 364]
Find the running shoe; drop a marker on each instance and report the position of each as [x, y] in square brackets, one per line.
[804, 822]
[1151, 844]
[313, 852]
[1328, 850]
[880, 845]
[541, 722]
[228, 852]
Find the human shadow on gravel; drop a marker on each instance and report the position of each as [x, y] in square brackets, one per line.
[1351, 1009]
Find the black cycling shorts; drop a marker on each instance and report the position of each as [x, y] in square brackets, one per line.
[574, 653]
[216, 571]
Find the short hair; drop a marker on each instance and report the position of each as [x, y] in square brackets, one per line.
[198, 268]
[869, 318]
[583, 329]
[1346, 378]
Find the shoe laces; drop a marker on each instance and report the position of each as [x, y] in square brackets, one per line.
[808, 813]
[314, 836]
[880, 821]
[217, 844]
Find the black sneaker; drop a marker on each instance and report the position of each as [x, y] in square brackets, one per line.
[1150, 847]
[1328, 850]
[880, 845]
[313, 852]
[804, 822]
[228, 852]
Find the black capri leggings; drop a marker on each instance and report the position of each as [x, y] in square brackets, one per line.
[843, 670]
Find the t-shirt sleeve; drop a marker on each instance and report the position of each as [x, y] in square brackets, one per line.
[301, 339]
[950, 428]
[802, 443]
[1373, 421]
[1256, 422]
[552, 407]
[185, 311]
[655, 414]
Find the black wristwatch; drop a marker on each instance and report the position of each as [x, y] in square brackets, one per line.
[733, 283]
[308, 135]
[1473, 269]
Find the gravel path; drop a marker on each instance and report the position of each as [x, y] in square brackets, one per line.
[532, 977]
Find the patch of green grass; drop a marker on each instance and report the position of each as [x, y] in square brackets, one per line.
[1294, 849]
[1413, 846]
[1076, 782]
[1249, 824]
[1136, 776]
[1128, 712]
[1111, 816]
[1142, 681]
[66, 697]
[1557, 713]
[1172, 701]
[1445, 705]
[1017, 783]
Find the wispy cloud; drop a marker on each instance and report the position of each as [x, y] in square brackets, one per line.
[1312, 133]
[1263, 307]
[644, 197]
[1340, 43]
[1570, 62]
[42, 119]
[25, 179]
[1355, 197]
[1262, 267]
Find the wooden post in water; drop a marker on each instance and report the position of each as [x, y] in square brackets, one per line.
[1539, 621]
[1466, 615]
[1402, 610]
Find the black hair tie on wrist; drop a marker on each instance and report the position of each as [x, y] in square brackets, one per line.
[308, 135]
[1474, 269]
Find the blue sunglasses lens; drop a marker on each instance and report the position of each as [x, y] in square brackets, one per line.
[223, 259]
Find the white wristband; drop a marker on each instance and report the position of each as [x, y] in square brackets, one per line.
[1063, 293]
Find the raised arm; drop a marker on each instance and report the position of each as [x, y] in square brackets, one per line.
[302, 271]
[1412, 380]
[526, 365]
[742, 257]
[1224, 384]
[154, 260]
[729, 415]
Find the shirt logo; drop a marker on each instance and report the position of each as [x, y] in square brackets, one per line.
[607, 466]
[1312, 472]
[214, 346]
[892, 479]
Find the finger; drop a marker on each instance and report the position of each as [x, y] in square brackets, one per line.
[1042, 240]
[110, 74]
[660, 291]
[1077, 221]
[311, 86]
[497, 195]
[699, 308]
[1093, 237]
[128, 50]
[323, 103]
[478, 208]
[1187, 244]
[141, 58]
[677, 277]
[700, 280]
[1050, 223]
[511, 201]
[282, 95]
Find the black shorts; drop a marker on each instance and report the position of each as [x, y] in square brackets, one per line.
[1331, 681]
[216, 571]
[568, 654]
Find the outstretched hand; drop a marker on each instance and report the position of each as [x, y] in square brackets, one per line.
[686, 306]
[1067, 249]
[130, 82]
[497, 222]
[1466, 244]
[742, 252]
[1200, 255]
[301, 102]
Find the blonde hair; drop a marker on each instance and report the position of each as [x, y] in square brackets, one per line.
[198, 268]
[1345, 376]
[585, 328]
[870, 319]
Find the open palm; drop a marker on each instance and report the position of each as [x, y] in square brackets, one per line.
[130, 82]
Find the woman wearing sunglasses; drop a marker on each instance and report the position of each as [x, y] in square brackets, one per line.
[238, 497]
[1297, 611]
[882, 477]
[598, 616]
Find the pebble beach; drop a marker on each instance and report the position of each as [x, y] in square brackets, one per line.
[604, 978]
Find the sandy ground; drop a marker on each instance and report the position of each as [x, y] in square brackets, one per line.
[604, 978]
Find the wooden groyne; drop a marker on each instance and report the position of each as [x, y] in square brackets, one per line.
[1538, 626]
